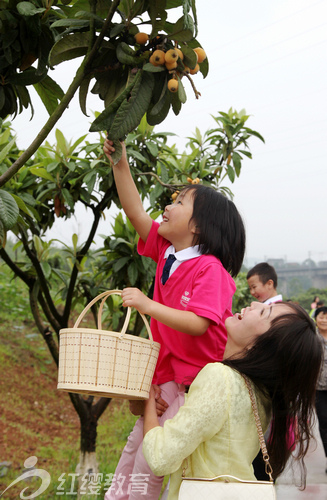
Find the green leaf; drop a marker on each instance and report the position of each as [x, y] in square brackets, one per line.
[75, 240]
[120, 263]
[136, 154]
[131, 110]
[153, 69]
[105, 119]
[116, 30]
[179, 33]
[153, 148]
[245, 153]
[231, 173]
[21, 205]
[50, 93]
[175, 103]
[253, 132]
[68, 48]
[42, 172]
[132, 273]
[47, 269]
[27, 77]
[160, 110]
[71, 23]
[68, 198]
[155, 193]
[4, 152]
[190, 57]
[237, 163]
[117, 154]
[181, 91]
[9, 210]
[126, 55]
[83, 91]
[28, 9]
[204, 68]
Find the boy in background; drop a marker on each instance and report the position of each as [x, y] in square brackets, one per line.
[262, 281]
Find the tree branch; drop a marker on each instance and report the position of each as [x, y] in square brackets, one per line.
[41, 278]
[16, 270]
[45, 332]
[173, 187]
[62, 106]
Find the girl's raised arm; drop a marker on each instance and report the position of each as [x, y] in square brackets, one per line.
[127, 192]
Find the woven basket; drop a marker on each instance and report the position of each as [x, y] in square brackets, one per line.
[104, 363]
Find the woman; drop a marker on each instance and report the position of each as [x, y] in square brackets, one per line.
[321, 395]
[277, 347]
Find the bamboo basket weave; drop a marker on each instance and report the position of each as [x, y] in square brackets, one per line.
[104, 363]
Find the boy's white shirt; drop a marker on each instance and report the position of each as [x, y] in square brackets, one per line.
[182, 256]
[276, 298]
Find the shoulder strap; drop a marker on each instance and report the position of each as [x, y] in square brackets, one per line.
[263, 446]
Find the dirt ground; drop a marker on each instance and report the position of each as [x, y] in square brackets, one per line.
[47, 414]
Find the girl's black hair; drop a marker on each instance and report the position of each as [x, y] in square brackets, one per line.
[220, 227]
[284, 363]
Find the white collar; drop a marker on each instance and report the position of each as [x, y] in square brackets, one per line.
[185, 254]
[276, 298]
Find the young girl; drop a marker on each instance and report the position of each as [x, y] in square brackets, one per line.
[277, 348]
[204, 232]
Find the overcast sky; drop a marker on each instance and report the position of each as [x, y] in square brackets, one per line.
[269, 58]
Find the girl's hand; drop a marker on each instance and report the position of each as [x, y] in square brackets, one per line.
[108, 149]
[133, 297]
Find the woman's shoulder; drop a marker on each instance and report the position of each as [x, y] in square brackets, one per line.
[218, 373]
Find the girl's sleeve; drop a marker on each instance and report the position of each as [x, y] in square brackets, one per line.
[204, 413]
[212, 293]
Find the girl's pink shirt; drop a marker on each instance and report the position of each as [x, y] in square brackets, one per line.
[201, 285]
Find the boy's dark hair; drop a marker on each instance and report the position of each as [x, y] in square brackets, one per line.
[220, 227]
[265, 272]
[321, 309]
[284, 363]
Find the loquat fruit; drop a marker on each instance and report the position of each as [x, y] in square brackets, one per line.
[172, 85]
[171, 66]
[180, 53]
[157, 58]
[189, 180]
[196, 181]
[174, 195]
[141, 38]
[171, 55]
[195, 70]
[201, 54]
[187, 70]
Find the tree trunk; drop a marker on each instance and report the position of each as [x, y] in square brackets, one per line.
[89, 414]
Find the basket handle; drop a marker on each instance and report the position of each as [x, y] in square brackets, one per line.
[104, 296]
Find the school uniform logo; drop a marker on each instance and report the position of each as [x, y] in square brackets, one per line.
[185, 299]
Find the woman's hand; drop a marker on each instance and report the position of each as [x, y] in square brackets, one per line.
[133, 297]
[161, 405]
[137, 406]
[150, 412]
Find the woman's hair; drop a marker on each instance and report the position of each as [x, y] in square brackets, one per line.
[284, 363]
[220, 227]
